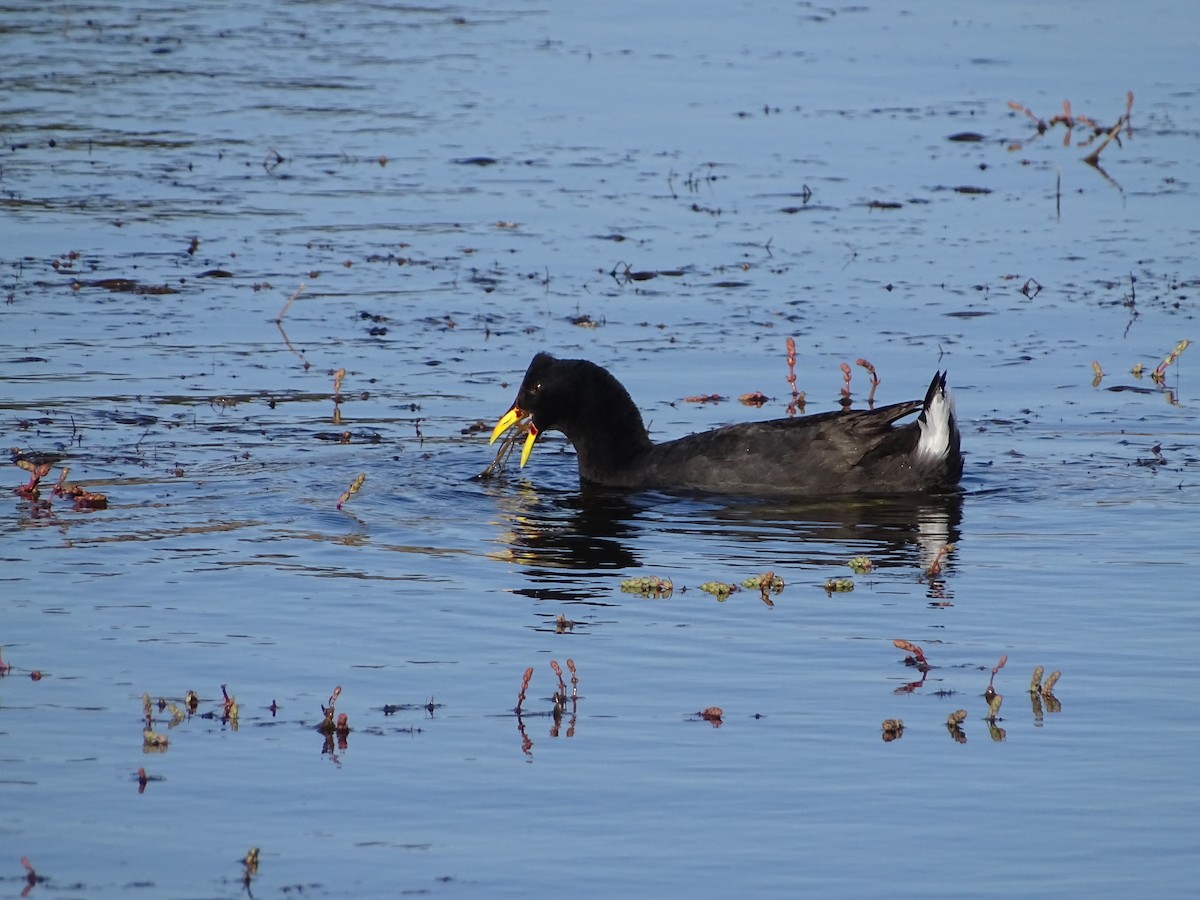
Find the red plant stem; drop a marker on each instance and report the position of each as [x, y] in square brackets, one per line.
[791, 364]
[562, 688]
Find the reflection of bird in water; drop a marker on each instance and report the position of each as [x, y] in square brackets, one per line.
[558, 535]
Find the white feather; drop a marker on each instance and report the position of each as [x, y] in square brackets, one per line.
[935, 426]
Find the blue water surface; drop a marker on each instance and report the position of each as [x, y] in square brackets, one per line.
[671, 191]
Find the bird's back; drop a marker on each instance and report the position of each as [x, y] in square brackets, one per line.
[850, 451]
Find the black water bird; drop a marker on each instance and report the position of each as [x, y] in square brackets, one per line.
[845, 452]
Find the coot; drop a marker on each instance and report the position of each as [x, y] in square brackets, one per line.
[859, 452]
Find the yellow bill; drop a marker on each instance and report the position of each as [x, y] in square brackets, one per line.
[513, 418]
[530, 440]
[507, 421]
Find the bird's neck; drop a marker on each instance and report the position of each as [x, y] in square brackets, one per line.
[608, 434]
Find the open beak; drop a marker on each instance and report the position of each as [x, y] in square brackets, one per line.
[513, 418]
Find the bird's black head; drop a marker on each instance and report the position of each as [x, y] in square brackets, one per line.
[587, 404]
[547, 388]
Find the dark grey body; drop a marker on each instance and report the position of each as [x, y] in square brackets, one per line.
[842, 452]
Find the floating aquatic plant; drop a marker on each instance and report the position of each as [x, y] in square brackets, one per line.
[518, 433]
[994, 701]
[231, 707]
[648, 586]
[250, 864]
[797, 403]
[935, 567]
[83, 498]
[524, 687]
[954, 725]
[767, 583]
[861, 565]
[916, 655]
[874, 379]
[1159, 374]
[355, 485]
[1035, 680]
[1071, 121]
[719, 589]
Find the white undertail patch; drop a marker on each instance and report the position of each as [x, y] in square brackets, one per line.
[936, 423]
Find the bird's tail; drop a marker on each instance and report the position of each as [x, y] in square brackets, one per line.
[940, 440]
